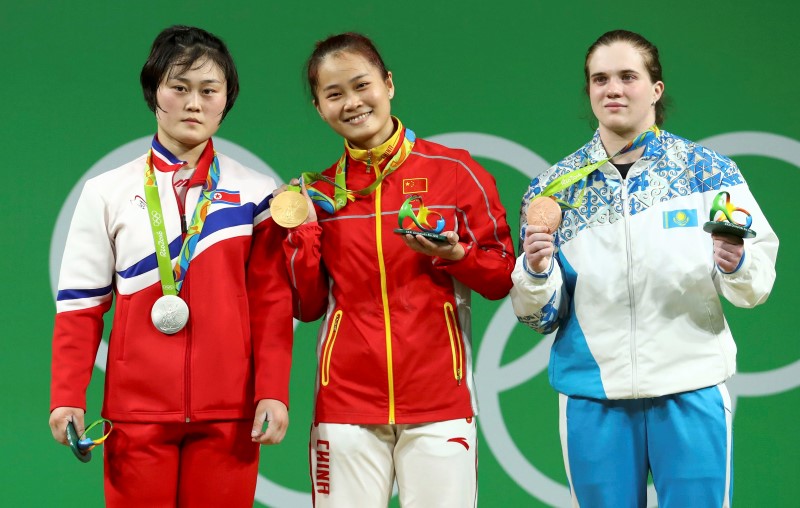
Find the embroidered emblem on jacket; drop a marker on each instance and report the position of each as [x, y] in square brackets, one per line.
[415, 185]
[680, 219]
[226, 197]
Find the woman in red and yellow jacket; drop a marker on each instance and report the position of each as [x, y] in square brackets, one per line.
[395, 395]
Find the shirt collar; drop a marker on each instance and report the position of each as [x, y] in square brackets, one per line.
[595, 151]
[379, 154]
[164, 160]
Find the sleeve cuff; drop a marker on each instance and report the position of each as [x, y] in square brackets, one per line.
[537, 275]
[442, 262]
[741, 262]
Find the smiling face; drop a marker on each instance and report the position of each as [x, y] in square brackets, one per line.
[621, 92]
[353, 98]
[190, 106]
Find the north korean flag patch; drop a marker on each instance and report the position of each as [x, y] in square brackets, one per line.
[226, 197]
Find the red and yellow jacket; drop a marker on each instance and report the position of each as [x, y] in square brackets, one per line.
[395, 342]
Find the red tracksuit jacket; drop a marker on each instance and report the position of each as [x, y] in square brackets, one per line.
[395, 345]
[236, 347]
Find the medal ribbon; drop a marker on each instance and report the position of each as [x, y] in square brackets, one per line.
[172, 278]
[573, 177]
[341, 193]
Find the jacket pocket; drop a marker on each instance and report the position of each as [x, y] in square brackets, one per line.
[327, 350]
[456, 346]
[116, 342]
[244, 318]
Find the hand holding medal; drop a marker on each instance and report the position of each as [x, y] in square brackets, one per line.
[544, 211]
[543, 216]
[291, 206]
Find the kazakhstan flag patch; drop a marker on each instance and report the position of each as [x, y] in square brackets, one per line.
[680, 219]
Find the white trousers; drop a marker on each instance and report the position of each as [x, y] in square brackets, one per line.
[435, 464]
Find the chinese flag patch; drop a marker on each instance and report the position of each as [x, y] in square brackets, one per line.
[415, 185]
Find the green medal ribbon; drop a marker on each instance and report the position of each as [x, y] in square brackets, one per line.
[341, 193]
[160, 239]
[569, 179]
[172, 279]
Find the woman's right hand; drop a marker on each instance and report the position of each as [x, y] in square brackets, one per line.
[538, 247]
[59, 419]
[312, 211]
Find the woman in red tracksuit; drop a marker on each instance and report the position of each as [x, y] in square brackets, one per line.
[188, 400]
[395, 397]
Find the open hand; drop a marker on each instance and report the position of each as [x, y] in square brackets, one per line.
[450, 249]
[275, 414]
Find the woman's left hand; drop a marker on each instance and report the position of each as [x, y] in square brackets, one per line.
[728, 251]
[450, 250]
[275, 415]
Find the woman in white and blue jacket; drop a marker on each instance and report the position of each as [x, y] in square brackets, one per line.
[630, 285]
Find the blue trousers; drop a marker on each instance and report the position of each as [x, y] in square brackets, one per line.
[683, 439]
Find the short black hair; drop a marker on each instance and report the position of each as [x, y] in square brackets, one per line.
[182, 46]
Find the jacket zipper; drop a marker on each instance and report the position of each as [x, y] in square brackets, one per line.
[187, 366]
[455, 342]
[184, 294]
[631, 294]
[385, 297]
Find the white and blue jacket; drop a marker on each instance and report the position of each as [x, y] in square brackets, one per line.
[633, 293]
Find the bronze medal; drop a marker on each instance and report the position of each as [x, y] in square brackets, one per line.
[544, 211]
[289, 209]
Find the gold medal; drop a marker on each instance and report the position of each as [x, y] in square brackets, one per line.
[544, 211]
[289, 209]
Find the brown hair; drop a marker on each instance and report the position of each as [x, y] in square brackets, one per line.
[645, 48]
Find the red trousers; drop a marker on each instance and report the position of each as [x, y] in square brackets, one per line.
[195, 464]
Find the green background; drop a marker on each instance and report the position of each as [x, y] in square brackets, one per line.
[509, 69]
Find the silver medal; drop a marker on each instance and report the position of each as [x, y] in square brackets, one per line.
[170, 314]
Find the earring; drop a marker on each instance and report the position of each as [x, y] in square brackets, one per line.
[653, 103]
